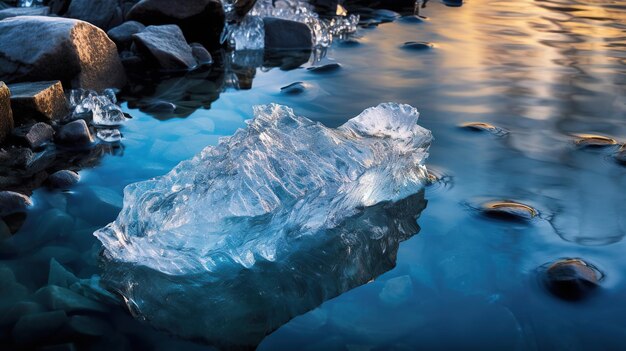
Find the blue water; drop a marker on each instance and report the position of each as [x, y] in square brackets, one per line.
[542, 70]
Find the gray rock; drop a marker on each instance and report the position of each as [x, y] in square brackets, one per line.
[104, 14]
[58, 298]
[571, 279]
[201, 54]
[122, 35]
[38, 135]
[201, 21]
[38, 101]
[6, 114]
[58, 7]
[24, 11]
[80, 55]
[75, 133]
[12, 202]
[63, 179]
[167, 45]
[281, 34]
[35, 328]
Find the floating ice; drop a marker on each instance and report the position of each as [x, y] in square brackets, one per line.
[269, 223]
[103, 107]
[109, 135]
[249, 34]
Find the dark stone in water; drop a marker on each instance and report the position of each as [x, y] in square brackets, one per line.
[166, 45]
[293, 88]
[484, 127]
[77, 53]
[281, 34]
[24, 11]
[35, 136]
[104, 14]
[571, 279]
[6, 114]
[201, 54]
[38, 101]
[417, 45]
[12, 202]
[17, 311]
[620, 156]
[75, 133]
[160, 107]
[412, 19]
[58, 7]
[63, 179]
[508, 210]
[201, 21]
[385, 15]
[593, 141]
[453, 3]
[327, 68]
[122, 35]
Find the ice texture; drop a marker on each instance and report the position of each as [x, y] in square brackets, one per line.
[249, 33]
[29, 3]
[269, 223]
[102, 107]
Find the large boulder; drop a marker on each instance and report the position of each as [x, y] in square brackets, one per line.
[6, 114]
[38, 101]
[281, 34]
[104, 14]
[80, 55]
[24, 11]
[166, 45]
[201, 21]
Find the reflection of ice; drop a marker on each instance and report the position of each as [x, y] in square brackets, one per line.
[249, 34]
[269, 223]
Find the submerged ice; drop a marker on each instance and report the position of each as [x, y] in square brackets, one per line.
[269, 223]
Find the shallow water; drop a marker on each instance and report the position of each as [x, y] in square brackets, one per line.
[541, 70]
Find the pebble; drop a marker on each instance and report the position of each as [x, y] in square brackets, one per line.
[63, 179]
[417, 45]
[593, 140]
[508, 210]
[293, 88]
[571, 278]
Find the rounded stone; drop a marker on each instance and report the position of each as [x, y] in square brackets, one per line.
[508, 210]
[571, 278]
[75, 133]
[12, 202]
[63, 179]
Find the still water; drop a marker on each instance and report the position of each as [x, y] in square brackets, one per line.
[539, 70]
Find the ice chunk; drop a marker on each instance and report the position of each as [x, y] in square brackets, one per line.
[103, 107]
[109, 135]
[29, 3]
[269, 223]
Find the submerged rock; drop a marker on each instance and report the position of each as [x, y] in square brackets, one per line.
[281, 34]
[285, 195]
[571, 279]
[201, 21]
[593, 140]
[63, 179]
[327, 68]
[620, 156]
[104, 14]
[166, 45]
[417, 45]
[75, 133]
[24, 11]
[38, 101]
[74, 52]
[508, 210]
[12, 202]
[122, 35]
[6, 114]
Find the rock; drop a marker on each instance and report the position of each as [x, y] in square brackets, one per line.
[620, 156]
[242, 7]
[104, 14]
[63, 179]
[293, 88]
[58, 7]
[60, 276]
[12, 202]
[201, 21]
[323, 69]
[165, 44]
[35, 328]
[508, 210]
[58, 298]
[39, 101]
[122, 35]
[571, 279]
[24, 11]
[325, 7]
[77, 53]
[201, 54]
[417, 45]
[38, 135]
[6, 114]
[281, 34]
[75, 133]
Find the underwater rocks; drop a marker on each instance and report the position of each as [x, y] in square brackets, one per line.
[38, 101]
[166, 45]
[36, 48]
[571, 279]
[6, 113]
[201, 21]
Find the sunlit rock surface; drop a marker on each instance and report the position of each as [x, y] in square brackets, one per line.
[268, 224]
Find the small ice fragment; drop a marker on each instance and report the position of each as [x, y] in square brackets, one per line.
[103, 108]
[109, 135]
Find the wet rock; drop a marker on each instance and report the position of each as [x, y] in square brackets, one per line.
[325, 7]
[58, 298]
[63, 179]
[417, 45]
[327, 68]
[58, 7]
[508, 210]
[104, 14]
[160, 107]
[620, 156]
[166, 45]
[60, 276]
[6, 114]
[281, 34]
[77, 53]
[593, 140]
[24, 11]
[453, 3]
[35, 136]
[571, 279]
[293, 88]
[12, 202]
[38, 101]
[75, 133]
[201, 21]
[35, 328]
[484, 127]
[201, 54]
[122, 35]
